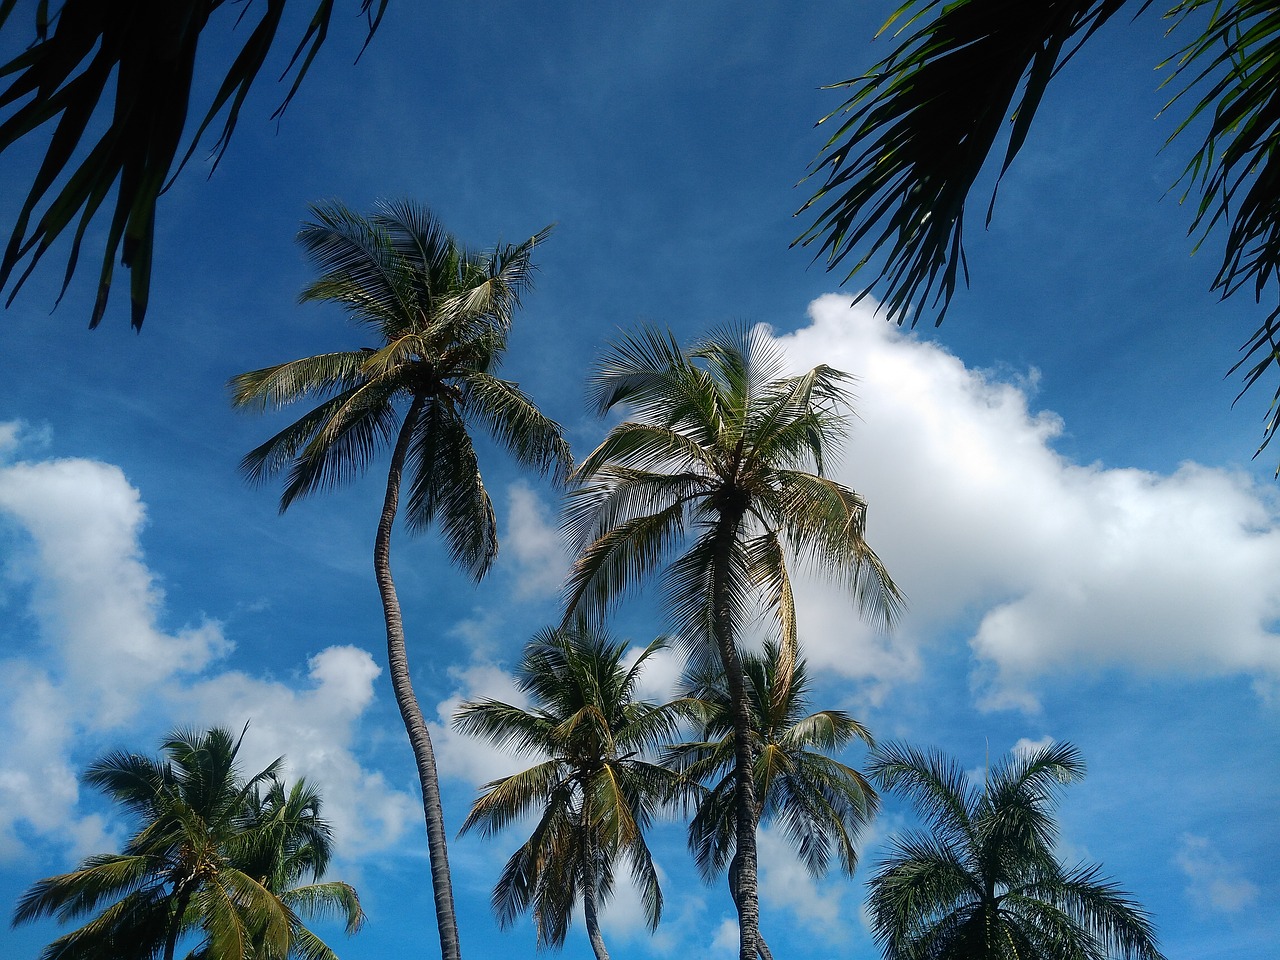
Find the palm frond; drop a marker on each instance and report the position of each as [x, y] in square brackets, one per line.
[934, 782]
[615, 562]
[917, 129]
[445, 484]
[533, 439]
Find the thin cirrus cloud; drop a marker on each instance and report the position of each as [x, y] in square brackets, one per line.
[1213, 882]
[89, 656]
[1068, 567]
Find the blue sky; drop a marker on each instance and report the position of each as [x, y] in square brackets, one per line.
[1056, 476]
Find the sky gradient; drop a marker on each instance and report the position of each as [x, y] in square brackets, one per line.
[1056, 476]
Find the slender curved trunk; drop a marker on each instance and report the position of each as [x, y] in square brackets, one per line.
[592, 918]
[747, 900]
[414, 724]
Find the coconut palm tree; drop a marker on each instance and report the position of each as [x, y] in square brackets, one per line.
[596, 791]
[290, 842]
[211, 858]
[985, 882]
[820, 804]
[441, 314]
[709, 484]
[920, 125]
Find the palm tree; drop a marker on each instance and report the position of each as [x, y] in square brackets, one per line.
[819, 802]
[919, 126]
[596, 792]
[716, 453]
[210, 858]
[290, 841]
[985, 883]
[441, 313]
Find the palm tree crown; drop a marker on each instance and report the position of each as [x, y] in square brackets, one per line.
[214, 858]
[984, 883]
[715, 462]
[820, 803]
[596, 791]
[441, 314]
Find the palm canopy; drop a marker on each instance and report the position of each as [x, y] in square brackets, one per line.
[718, 440]
[441, 314]
[985, 881]
[141, 56]
[709, 486]
[594, 792]
[820, 803]
[918, 128]
[216, 860]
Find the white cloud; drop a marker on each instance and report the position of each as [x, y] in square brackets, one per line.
[470, 759]
[532, 537]
[1026, 746]
[1067, 567]
[96, 601]
[659, 678]
[314, 729]
[785, 884]
[1215, 883]
[102, 663]
[725, 942]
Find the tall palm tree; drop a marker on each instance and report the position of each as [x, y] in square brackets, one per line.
[210, 859]
[596, 791]
[919, 127]
[985, 882]
[819, 802]
[715, 463]
[441, 314]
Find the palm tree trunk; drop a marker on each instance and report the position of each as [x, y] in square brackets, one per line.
[592, 918]
[414, 724]
[175, 925]
[762, 948]
[747, 900]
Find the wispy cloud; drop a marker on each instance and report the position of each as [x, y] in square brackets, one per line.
[1215, 882]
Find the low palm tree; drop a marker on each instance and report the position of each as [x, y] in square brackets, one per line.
[595, 791]
[716, 459]
[289, 842]
[441, 314]
[212, 858]
[985, 882]
[820, 804]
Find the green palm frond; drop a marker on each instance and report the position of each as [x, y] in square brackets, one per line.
[620, 559]
[142, 58]
[533, 439]
[821, 804]
[935, 783]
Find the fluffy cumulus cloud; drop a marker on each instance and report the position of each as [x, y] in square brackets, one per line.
[1068, 567]
[532, 539]
[1214, 882]
[88, 652]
